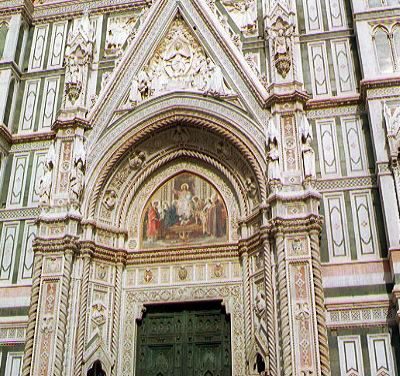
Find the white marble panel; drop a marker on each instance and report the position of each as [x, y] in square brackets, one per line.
[29, 106]
[38, 48]
[328, 148]
[49, 102]
[18, 180]
[364, 224]
[38, 169]
[350, 356]
[336, 227]
[354, 146]
[343, 67]
[57, 45]
[8, 245]
[336, 14]
[380, 355]
[319, 69]
[312, 15]
[26, 263]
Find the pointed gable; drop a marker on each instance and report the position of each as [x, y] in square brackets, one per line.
[179, 46]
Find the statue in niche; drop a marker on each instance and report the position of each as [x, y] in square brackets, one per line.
[78, 56]
[281, 34]
[215, 85]
[78, 170]
[306, 149]
[45, 181]
[274, 171]
[392, 121]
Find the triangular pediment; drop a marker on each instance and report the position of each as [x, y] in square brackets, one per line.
[180, 47]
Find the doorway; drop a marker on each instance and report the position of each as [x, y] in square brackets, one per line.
[184, 340]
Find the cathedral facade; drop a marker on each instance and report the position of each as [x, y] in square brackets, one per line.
[200, 187]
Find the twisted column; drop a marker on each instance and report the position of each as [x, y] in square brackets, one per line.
[319, 304]
[269, 299]
[247, 301]
[286, 351]
[33, 308]
[63, 314]
[80, 337]
[117, 311]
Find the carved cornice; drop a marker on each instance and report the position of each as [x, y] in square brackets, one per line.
[379, 83]
[293, 96]
[51, 245]
[75, 122]
[287, 226]
[5, 135]
[25, 7]
[316, 104]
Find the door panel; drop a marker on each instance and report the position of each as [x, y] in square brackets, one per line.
[184, 340]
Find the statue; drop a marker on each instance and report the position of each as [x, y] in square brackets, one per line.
[251, 188]
[78, 56]
[110, 199]
[274, 171]
[393, 129]
[78, 170]
[134, 94]
[215, 85]
[306, 148]
[281, 35]
[45, 182]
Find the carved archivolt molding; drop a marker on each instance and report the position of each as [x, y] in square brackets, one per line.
[138, 126]
[135, 300]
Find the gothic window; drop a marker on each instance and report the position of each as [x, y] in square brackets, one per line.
[383, 50]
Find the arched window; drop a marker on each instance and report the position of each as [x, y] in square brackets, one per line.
[396, 44]
[383, 50]
[96, 369]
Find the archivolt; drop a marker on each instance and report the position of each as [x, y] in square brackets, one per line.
[104, 156]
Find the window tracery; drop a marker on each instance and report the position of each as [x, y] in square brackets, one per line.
[387, 47]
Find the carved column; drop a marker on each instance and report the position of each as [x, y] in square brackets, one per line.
[46, 334]
[83, 303]
[117, 310]
[270, 306]
[246, 298]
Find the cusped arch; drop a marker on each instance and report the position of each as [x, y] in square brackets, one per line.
[225, 120]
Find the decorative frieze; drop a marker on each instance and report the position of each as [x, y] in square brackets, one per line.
[12, 333]
[361, 317]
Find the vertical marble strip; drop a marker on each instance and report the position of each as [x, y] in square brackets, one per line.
[38, 50]
[29, 106]
[343, 67]
[38, 170]
[319, 69]
[57, 45]
[26, 263]
[8, 245]
[18, 182]
[49, 102]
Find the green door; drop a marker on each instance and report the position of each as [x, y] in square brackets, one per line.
[184, 340]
